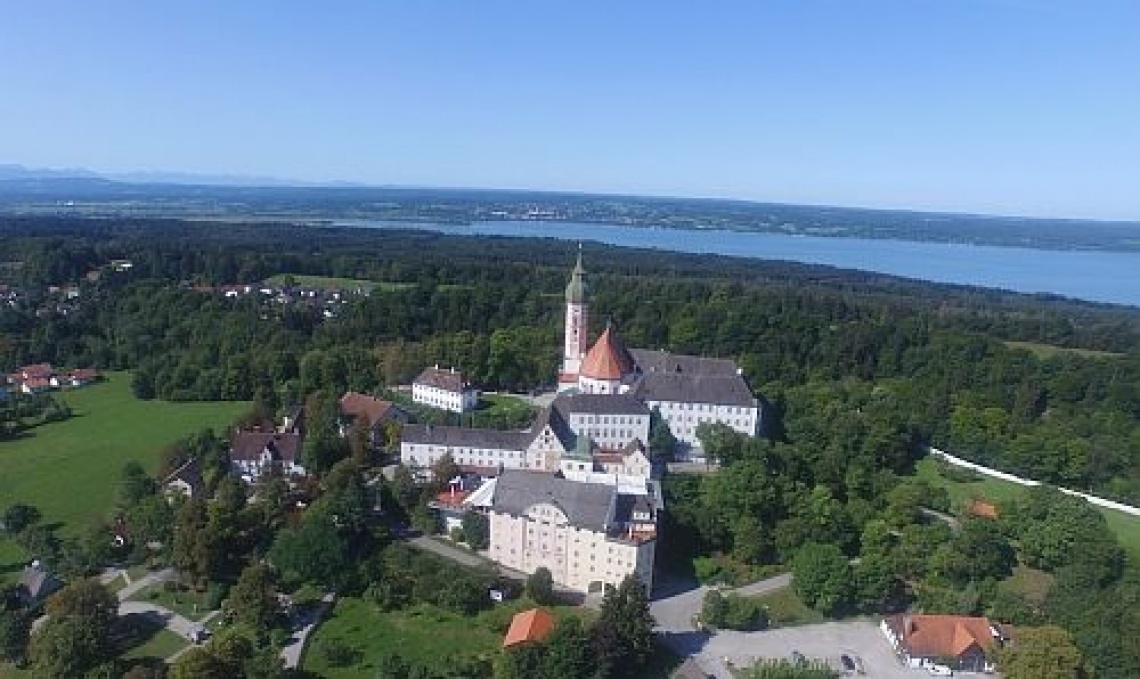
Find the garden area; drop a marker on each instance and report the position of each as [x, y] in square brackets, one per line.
[357, 637]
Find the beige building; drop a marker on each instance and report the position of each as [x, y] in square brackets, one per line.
[589, 535]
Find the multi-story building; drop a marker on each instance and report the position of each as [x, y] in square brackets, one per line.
[589, 535]
[445, 389]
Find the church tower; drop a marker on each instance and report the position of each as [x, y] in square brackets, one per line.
[577, 326]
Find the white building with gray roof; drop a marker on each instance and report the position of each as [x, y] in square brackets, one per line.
[589, 535]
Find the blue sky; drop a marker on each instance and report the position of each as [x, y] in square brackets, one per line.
[1003, 106]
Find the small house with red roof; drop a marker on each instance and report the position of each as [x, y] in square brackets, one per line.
[531, 626]
[954, 641]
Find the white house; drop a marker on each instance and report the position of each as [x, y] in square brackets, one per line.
[254, 453]
[444, 389]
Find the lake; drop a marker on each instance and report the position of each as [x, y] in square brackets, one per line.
[1090, 275]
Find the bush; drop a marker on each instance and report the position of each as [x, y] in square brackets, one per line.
[456, 534]
[733, 612]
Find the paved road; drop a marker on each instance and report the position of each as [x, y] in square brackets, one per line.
[308, 622]
[183, 627]
[147, 580]
[459, 554]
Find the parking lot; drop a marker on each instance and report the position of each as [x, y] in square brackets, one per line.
[860, 639]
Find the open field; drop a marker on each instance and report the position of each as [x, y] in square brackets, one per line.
[785, 609]
[70, 470]
[334, 283]
[415, 633]
[1126, 527]
[1049, 350]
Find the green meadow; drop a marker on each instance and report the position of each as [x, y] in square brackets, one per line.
[70, 470]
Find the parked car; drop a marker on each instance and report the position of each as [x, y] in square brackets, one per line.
[199, 635]
[848, 663]
[798, 658]
[940, 670]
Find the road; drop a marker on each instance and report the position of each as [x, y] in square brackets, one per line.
[293, 651]
[183, 627]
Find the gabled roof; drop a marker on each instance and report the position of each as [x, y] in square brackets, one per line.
[353, 404]
[36, 583]
[533, 625]
[189, 473]
[447, 380]
[608, 359]
[941, 636]
[249, 446]
[551, 416]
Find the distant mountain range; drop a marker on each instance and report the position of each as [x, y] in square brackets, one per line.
[10, 172]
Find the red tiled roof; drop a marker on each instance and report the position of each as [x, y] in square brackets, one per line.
[354, 405]
[37, 370]
[982, 508]
[945, 636]
[533, 625]
[608, 359]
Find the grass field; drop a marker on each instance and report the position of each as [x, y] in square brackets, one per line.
[422, 634]
[70, 470]
[785, 609]
[334, 283]
[1049, 350]
[1126, 527]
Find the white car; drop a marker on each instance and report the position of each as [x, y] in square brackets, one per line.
[940, 670]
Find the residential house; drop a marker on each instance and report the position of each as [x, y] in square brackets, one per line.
[185, 481]
[254, 453]
[377, 412]
[952, 641]
[36, 584]
[445, 389]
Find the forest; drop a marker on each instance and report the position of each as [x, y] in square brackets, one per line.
[1048, 388]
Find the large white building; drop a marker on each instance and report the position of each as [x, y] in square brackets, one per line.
[589, 535]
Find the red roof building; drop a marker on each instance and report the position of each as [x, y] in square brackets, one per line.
[529, 626]
[957, 641]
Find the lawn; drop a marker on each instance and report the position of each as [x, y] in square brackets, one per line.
[186, 602]
[334, 283]
[1126, 527]
[422, 634]
[786, 610]
[70, 470]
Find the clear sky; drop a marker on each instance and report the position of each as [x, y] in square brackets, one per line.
[1003, 106]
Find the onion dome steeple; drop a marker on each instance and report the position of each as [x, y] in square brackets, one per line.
[576, 289]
